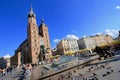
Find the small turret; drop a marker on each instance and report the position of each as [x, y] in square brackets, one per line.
[42, 23]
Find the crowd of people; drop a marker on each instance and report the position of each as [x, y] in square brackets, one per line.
[7, 70]
[105, 52]
[27, 71]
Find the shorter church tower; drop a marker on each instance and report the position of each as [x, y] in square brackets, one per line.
[45, 34]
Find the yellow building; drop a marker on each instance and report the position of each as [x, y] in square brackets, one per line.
[67, 46]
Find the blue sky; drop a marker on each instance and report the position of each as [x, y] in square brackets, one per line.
[64, 18]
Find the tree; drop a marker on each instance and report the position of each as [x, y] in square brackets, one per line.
[116, 42]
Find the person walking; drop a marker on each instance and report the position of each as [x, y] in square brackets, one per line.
[10, 69]
[7, 70]
[28, 72]
[3, 72]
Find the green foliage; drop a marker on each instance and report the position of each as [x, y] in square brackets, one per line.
[116, 42]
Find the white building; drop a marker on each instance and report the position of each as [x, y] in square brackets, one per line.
[118, 38]
[4, 62]
[93, 41]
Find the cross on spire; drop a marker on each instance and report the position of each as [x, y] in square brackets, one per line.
[31, 13]
[42, 20]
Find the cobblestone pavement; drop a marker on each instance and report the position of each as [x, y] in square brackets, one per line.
[15, 75]
[105, 69]
[37, 71]
[111, 71]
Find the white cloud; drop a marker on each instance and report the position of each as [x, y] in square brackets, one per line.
[71, 36]
[117, 7]
[56, 40]
[99, 33]
[84, 36]
[7, 56]
[114, 33]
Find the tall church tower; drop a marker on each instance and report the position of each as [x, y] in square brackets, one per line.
[33, 37]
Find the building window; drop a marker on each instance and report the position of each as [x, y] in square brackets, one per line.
[33, 27]
[37, 49]
[36, 53]
[47, 41]
[35, 40]
[68, 49]
[65, 49]
[35, 45]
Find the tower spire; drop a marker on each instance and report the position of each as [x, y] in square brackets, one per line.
[31, 13]
[42, 20]
[31, 9]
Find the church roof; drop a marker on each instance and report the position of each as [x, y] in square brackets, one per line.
[22, 44]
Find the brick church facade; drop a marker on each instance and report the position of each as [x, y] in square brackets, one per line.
[37, 45]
